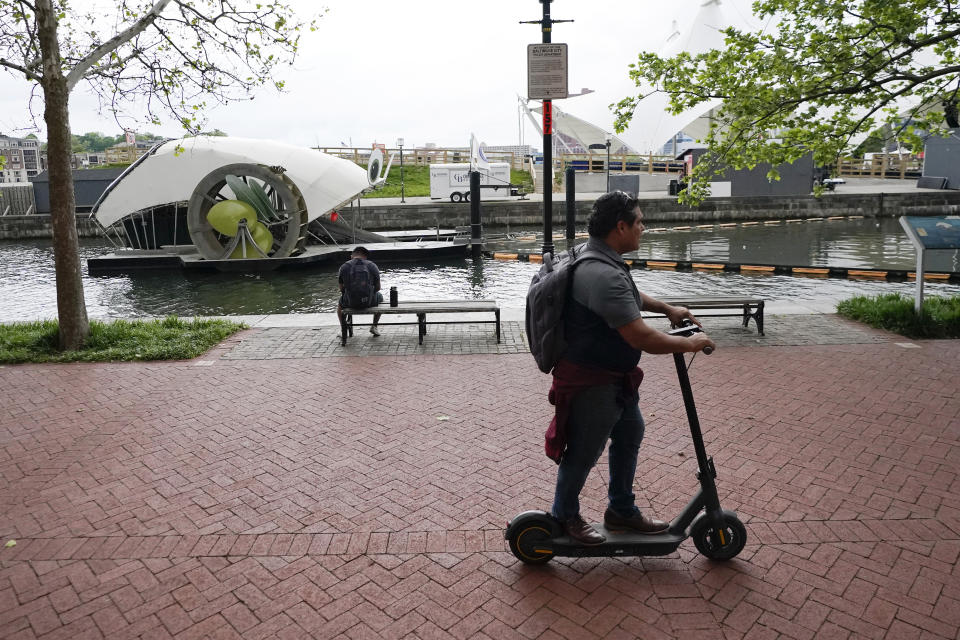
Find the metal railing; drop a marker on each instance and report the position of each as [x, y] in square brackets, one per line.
[621, 163]
[424, 156]
[891, 166]
[882, 165]
[590, 162]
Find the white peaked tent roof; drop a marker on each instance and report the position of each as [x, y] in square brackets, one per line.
[698, 28]
[164, 176]
[578, 129]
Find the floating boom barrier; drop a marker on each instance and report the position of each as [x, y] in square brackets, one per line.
[806, 271]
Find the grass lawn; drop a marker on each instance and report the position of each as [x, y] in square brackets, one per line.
[938, 318]
[416, 182]
[167, 339]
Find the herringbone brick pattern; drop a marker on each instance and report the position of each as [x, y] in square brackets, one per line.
[366, 497]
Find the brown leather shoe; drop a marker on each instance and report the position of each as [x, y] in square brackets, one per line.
[578, 529]
[637, 523]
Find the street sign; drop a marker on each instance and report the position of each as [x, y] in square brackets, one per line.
[546, 71]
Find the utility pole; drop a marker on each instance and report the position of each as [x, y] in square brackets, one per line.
[400, 144]
[546, 27]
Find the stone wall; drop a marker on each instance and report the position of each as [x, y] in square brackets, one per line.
[519, 212]
[38, 226]
[527, 212]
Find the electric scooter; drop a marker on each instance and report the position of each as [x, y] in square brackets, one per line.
[536, 536]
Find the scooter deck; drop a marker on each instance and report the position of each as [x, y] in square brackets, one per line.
[618, 543]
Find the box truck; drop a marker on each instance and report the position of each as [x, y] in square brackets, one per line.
[453, 181]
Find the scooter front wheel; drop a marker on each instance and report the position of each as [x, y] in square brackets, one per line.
[719, 542]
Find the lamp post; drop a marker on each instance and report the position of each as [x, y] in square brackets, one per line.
[607, 139]
[400, 144]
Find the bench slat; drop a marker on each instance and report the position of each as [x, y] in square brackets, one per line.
[421, 308]
[694, 300]
[431, 306]
[745, 307]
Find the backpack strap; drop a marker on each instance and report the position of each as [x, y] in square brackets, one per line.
[588, 254]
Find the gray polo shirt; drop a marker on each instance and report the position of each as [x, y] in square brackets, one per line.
[605, 290]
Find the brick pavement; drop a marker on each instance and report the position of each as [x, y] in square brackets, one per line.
[324, 342]
[285, 498]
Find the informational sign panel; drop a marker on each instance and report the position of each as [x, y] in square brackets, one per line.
[930, 233]
[546, 71]
[936, 232]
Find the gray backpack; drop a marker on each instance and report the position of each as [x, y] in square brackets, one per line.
[547, 301]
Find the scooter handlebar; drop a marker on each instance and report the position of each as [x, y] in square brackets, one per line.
[686, 330]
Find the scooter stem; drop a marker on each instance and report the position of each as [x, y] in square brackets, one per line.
[707, 471]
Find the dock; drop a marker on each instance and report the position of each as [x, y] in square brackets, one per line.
[188, 259]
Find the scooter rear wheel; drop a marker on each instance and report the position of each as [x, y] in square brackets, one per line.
[527, 539]
[719, 543]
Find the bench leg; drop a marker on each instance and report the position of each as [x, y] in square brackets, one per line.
[421, 325]
[497, 313]
[757, 315]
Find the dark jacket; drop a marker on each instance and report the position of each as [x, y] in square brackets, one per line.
[569, 379]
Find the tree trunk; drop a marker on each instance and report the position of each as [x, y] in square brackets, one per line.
[71, 306]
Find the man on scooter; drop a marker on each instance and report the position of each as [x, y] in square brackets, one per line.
[595, 384]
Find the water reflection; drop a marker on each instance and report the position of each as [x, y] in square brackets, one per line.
[867, 243]
[478, 280]
[27, 289]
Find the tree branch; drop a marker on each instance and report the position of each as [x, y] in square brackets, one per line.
[84, 65]
[16, 67]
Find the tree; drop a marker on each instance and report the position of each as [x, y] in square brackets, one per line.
[172, 56]
[94, 141]
[831, 71]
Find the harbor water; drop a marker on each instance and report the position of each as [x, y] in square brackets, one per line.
[27, 283]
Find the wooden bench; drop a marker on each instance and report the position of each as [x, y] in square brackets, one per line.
[421, 309]
[745, 307]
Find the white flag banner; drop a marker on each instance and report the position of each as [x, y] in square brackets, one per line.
[478, 159]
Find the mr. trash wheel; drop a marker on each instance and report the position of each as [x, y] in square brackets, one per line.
[719, 542]
[288, 228]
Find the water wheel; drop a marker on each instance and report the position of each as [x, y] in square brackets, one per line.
[275, 199]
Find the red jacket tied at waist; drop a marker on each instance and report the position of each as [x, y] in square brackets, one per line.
[569, 379]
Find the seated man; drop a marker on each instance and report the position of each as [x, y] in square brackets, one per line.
[359, 281]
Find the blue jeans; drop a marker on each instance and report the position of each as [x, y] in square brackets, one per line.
[595, 417]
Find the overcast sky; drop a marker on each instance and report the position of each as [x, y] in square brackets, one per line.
[425, 70]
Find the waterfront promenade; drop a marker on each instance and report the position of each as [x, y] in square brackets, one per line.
[283, 487]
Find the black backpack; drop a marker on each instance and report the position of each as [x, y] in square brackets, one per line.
[358, 286]
[546, 303]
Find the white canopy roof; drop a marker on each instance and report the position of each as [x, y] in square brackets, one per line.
[700, 31]
[575, 132]
[695, 33]
[163, 176]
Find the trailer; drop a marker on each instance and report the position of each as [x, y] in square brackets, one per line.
[453, 181]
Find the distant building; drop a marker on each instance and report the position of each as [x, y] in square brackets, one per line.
[88, 186]
[678, 144]
[24, 160]
[88, 160]
[518, 150]
[127, 153]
